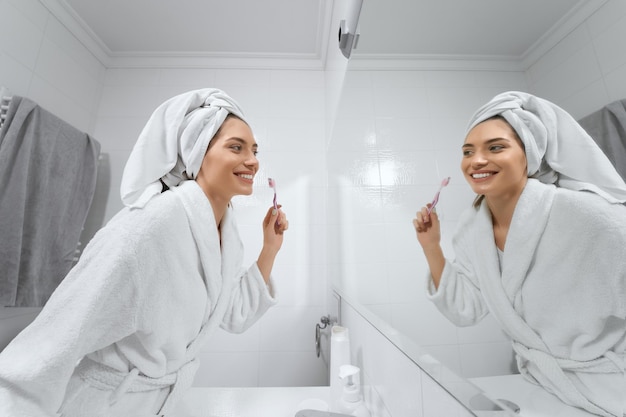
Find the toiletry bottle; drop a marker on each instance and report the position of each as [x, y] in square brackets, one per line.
[351, 401]
[339, 355]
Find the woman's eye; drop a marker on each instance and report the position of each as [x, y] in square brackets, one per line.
[236, 147]
[467, 153]
[496, 148]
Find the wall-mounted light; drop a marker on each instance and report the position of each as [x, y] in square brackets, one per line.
[348, 35]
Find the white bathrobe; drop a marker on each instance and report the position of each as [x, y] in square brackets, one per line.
[560, 293]
[146, 286]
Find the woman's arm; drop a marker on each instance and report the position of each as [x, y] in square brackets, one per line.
[274, 225]
[428, 232]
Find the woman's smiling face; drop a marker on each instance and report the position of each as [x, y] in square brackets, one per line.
[230, 163]
[494, 161]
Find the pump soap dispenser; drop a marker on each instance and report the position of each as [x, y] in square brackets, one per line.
[351, 401]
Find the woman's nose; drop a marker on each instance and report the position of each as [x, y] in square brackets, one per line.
[478, 159]
[252, 161]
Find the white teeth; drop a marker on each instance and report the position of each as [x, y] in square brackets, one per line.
[246, 176]
[484, 175]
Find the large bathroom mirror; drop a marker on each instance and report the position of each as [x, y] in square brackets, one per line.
[418, 73]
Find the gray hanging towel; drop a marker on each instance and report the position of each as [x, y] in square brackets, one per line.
[607, 127]
[47, 180]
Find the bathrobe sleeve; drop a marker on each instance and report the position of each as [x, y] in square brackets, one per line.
[250, 299]
[94, 306]
[458, 296]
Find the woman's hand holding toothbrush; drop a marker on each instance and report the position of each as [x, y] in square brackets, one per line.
[428, 230]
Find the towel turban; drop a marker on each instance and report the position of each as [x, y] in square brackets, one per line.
[171, 146]
[558, 149]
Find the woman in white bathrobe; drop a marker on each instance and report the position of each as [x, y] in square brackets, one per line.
[120, 335]
[542, 250]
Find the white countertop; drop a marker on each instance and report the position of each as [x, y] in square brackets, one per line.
[533, 400]
[251, 401]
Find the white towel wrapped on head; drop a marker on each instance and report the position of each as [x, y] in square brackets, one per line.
[172, 145]
[558, 149]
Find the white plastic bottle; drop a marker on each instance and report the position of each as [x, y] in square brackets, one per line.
[351, 401]
[339, 355]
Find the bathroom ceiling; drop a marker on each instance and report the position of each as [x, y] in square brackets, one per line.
[299, 28]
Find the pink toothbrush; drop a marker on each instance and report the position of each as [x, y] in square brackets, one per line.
[444, 182]
[272, 184]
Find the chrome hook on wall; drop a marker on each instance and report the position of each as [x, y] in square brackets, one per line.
[318, 333]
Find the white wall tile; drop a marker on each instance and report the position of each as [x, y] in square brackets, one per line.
[62, 71]
[353, 205]
[608, 43]
[300, 285]
[297, 79]
[279, 334]
[32, 10]
[299, 135]
[438, 403]
[401, 102]
[358, 79]
[132, 100]
[296, 102]
[513, 80]
[588, 100]
[605, 17]
[224, 341]
[448, 79]
[131, 77]
[404, 134]
[572, 43]
[280, 369]
[486, 331]
[118, 133]
[398, 167]
[259, 79]
[487, 359]
[401, 203]
[15, 75]
[187, 78]
[616, 84]
[423, 323]
[409, 279]
[355, 102]
[227, 369]
[353, 135]
[456, 102]
[572, 75]
[81, 57]
[398, 79]
[16, 25]
[443, 362]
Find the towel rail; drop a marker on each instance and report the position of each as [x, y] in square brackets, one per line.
[5, 100]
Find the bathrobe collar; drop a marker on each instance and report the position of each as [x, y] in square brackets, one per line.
[220, 263]
[502, 285]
